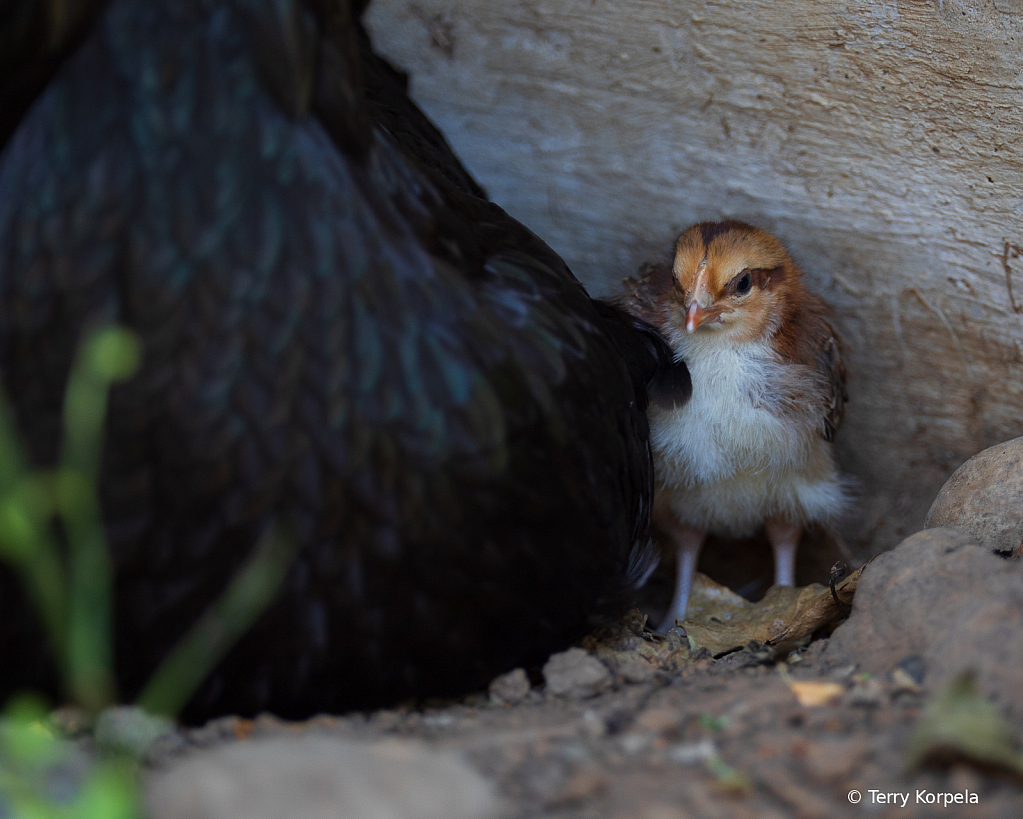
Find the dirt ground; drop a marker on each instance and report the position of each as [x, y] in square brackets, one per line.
[636, 725]
[909, 707]
[716, 740]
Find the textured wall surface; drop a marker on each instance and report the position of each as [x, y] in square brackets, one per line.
[882, 141]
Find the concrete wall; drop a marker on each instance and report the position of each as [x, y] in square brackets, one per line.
[882, 141]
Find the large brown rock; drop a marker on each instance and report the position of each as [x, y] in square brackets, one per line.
[984, 497]
[942, 597]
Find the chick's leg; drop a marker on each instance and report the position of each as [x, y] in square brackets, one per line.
[688, 542]
[783, 536]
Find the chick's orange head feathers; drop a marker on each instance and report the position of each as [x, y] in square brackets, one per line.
[733, 278]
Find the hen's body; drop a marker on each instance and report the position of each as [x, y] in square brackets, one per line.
[338, 334]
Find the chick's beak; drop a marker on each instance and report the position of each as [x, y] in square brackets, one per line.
[702, 306]
[696, 316]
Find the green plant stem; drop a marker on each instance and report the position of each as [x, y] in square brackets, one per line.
[108, 355]
[43, 576]
[251, 590]
[90, 653]
[26, 505]
[90, 650]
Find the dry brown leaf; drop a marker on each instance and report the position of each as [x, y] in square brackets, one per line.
[720, 620]
[626, 643]
[814, 692]
[822, 609]
[903, 682]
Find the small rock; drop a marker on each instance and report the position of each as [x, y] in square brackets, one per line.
[690, 753]
[219, 730]
[265, 725]
[439, 720]
[866, 693]
[387, 720]
[984, 497]
[127, 728]
[752, 654]
[510, 688]
[70, 721]
[312, 777]
[575, 674]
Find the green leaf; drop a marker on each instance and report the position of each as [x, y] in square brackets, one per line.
[728, 778]
[959, 723]
[18, 533]
[113, 353]
[110, 792]
[713, 723]
[24, 737]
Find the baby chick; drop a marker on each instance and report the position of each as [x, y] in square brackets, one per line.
[752, 445]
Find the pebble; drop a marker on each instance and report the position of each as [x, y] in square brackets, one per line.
[690, 753]
[217, 731]
[439, 720]
[137, 732]
[71, 721]
[510, 688]
[575, 674]
[866, 693]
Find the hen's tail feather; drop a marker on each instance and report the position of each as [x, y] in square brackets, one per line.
[647, 355]
[643, 562]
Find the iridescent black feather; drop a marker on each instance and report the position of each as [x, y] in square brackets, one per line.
[339, 331]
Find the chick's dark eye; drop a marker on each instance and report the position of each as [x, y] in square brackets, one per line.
[744, 284]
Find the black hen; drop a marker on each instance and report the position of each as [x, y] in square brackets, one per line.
[339, 332]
